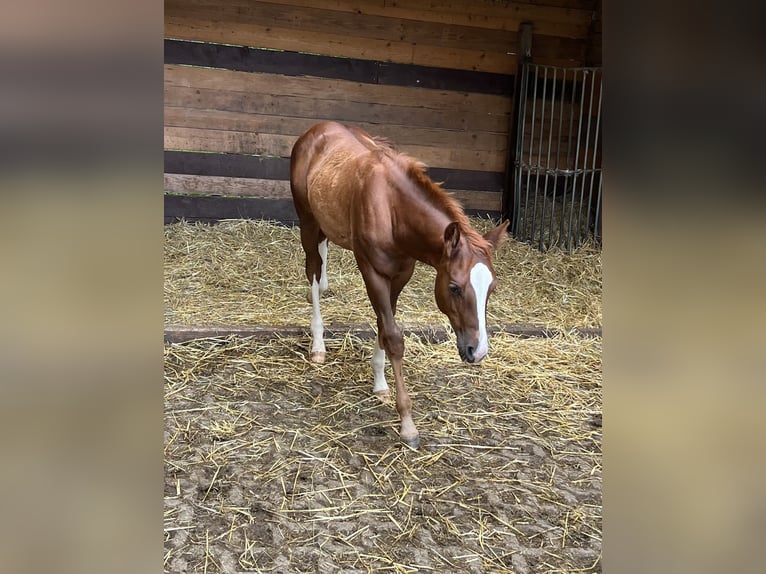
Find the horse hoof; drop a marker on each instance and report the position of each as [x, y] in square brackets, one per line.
[318, 357]
[384, 396]
[413, 442]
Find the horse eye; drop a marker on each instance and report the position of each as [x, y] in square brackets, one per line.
[454, 289]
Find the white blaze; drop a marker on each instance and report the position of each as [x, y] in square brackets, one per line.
[481, 279]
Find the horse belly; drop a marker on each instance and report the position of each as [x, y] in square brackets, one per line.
[336, 228]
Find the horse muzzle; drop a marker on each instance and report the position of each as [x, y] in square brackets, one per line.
[471, 353]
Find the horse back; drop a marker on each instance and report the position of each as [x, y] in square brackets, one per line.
[332, 169]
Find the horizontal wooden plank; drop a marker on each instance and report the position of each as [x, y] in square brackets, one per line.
[278, 189]
[240, 142]
[314, 98]
[578, 4]
[399, 135]
[433, 333]
[335, 90]
[259, 167]
[290, 63]
[547, 20]
[265, 36]
[408, 17]
[180, 117]
[547, 50]
[337, 110]
[314, 30]
[309, 19]
[193, 139]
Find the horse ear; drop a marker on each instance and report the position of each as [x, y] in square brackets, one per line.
[451, 238]
[498, 235]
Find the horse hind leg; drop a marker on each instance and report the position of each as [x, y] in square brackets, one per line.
[323, 283]
[315, 246]
[323, 254]
[318, 351]
[380, 386]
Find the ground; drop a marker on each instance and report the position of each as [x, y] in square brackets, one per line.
[275, 464]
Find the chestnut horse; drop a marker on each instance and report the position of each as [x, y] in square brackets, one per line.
[362, 195]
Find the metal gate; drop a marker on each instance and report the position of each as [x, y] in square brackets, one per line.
[557, 181]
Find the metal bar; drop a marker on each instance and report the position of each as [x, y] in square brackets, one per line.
[531, 145]
[598, 232]
[562, 221]
[577, 164]
[548, 161]
[519, 159]
[596, 143]
[558, 157]
[539, 152]
[585, 158]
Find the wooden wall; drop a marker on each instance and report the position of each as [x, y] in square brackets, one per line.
[243, 79]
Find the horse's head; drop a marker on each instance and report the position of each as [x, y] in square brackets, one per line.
[465, 278]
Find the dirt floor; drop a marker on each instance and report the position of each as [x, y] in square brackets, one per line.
[275, 464]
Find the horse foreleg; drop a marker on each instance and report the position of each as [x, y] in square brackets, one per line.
[408, 432]
[397, 283]
[391, 340]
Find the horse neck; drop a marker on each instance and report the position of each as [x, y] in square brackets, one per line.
[421, 221]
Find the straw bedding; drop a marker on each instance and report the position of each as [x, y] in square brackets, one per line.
[252, 273]
[276, 464]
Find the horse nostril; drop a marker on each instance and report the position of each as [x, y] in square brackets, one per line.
[469, 353]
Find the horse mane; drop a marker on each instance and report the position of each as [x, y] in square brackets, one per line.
[385, 144]
[416, 171]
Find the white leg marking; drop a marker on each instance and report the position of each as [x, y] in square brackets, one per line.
[378, 366]
[323, 255]
[481, 279]
[317, 326]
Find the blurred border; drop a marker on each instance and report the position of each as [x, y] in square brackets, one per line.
[684, 270]
[81, 228]
[81, 289]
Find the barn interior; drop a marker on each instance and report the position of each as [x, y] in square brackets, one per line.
[273, 463]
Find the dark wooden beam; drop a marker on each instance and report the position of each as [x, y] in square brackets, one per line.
[227, 165]
[289, 63]
[432, 333]
[266, 167]
[214, 208]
